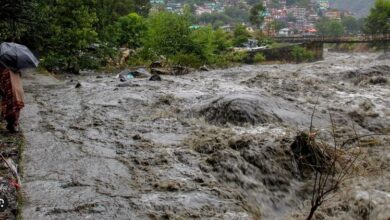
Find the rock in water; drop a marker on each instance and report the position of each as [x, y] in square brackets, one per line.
[238, 109]
[161, 71]
[155, 77]
[141, 73]
[156, 64]
[204, 68]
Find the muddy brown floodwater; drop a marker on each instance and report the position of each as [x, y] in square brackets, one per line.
[208, 145]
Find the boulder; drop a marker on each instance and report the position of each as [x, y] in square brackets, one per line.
[204, 68]
[141, 73]
[156, 64]
[180, 70]
[155, 78]
[161, 71]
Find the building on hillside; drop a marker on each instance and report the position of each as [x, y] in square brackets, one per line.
[297, 12]
[174, 7]
[324, 4]
[157, 2]
[333, 14]
[227, 28]
[285, 32]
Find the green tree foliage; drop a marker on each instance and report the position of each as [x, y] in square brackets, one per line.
[222, 41]
[257, 14]
[301, 54]
[132, 29]
[328, 27]
[241, 35]
[18, 18]
[203, 43]
[72, 32]
[378, 22]
[237, 14]
[300, 3]
[167, 34]
[351, 25]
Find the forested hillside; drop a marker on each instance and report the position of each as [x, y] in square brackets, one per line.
[360, 8]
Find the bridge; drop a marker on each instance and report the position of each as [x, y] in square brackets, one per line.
[314, 44]
[334, 39]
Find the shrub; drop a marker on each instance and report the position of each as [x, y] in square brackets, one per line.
[301, 54]
[241, 35]
[132, 29]
[259, 57]
[239, 56]
[184, 59]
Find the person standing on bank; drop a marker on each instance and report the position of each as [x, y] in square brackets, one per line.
[13, 58]
[12, 97]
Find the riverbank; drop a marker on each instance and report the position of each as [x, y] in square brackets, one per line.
[11, 148]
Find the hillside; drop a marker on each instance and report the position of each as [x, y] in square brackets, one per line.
[360, 8]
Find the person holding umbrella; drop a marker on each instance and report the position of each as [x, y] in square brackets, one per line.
[13, 58]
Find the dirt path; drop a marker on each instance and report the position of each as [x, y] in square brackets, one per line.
[112, 150]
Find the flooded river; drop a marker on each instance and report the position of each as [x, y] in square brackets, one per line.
[208, 145]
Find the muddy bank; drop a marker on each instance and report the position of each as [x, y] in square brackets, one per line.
[209, 145]
[11, 146]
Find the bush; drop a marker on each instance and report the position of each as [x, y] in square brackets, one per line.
[241, 35]
[301, 54]
[239, 56]
[259, 57]
[190, 60]
[132, 29]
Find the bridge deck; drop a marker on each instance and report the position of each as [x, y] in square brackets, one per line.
[330, 39]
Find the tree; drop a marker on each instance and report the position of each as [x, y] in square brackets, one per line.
[17, 17]
[222, 40]
[132, 30]
[167, 34]
[257, 14]
[351, 25]
[71, 33]
[240, 34]
[328, 27]
[378, 22]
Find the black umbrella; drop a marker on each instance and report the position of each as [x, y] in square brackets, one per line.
[17, 56]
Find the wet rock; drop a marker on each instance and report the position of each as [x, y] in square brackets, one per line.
[238, 109]
[141, 73]
[378, 80]
[78, 85]
[161, 71]
[155, 77]
[156, 64]
[180, 70]
[128, 84]
[204, 68]
[170, 186]
[137, 137]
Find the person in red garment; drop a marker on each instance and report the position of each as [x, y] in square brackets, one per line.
[12, 94]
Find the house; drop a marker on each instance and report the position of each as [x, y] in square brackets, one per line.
[333, 14]
[285, 32]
